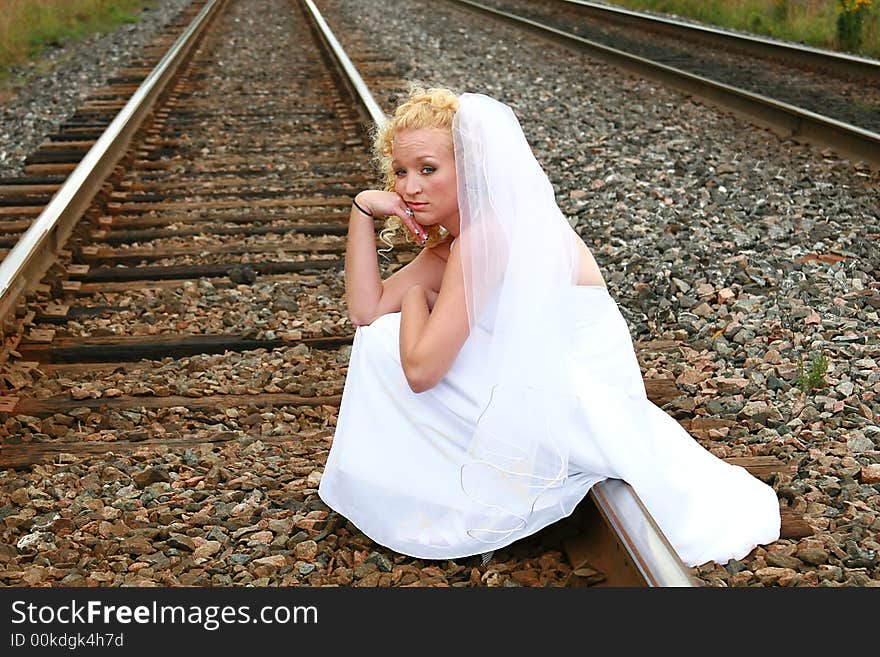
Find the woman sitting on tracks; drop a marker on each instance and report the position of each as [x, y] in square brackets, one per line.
[493, 380]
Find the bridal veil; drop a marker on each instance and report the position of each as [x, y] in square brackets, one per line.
[519, 255]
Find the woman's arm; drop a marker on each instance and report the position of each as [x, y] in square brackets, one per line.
[363, 283]
[430, 341]
[364, 288]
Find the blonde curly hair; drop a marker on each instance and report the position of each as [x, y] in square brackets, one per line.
[433, 107]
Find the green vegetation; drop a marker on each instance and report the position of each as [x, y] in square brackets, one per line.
[27, 27]
[847, 25]
[813, 378]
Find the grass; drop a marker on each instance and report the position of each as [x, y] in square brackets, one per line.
[28, 27]
[808, 380]
[812, 22]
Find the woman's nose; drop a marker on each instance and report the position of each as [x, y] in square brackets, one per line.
[411, 186]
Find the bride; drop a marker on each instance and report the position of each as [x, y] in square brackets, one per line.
[492, 380]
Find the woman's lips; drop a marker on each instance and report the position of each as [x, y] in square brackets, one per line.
[417, 206]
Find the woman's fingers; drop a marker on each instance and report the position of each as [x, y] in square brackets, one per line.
[414, 227]
[406, 214]
[409, 219]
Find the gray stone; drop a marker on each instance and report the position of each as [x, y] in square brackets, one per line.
[858, 557]
[783, 561]
[776, 384]
[285, 304]
[380, 560]
[181, 542]
[857, 442]
[157, 559]
[239, 559]
[734, 566]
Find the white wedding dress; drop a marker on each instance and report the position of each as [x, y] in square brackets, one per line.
[394, 469]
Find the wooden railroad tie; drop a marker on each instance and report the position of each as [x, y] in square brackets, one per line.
[42, 346]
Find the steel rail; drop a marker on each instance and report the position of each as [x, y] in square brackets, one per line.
[844, 63]
[648, 548]
[635, 530]
[348, 72]
[36, 250]
[786, 120]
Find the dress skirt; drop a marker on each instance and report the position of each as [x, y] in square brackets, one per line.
[394, 468]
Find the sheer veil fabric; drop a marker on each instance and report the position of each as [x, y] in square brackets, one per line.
[519, 257]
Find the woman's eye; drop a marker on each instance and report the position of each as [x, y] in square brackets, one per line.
[399, 172]
[428, 169]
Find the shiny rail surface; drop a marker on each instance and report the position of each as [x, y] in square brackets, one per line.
[646, 547]
[785, 119]
[348, 72]
[634, 551]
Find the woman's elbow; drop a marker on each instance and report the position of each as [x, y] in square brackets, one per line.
[361, 316]
[359, 320]
[419, 379]
[419, 386]
[360, 312]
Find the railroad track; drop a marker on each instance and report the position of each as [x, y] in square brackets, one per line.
[805, 94]
[176, 335]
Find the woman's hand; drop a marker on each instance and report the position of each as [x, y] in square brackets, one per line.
[388, 204]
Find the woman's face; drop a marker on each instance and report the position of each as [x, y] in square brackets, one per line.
[424, 171]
